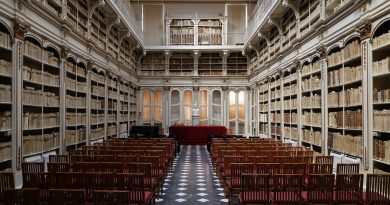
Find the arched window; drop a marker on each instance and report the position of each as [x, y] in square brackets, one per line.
[158, 104]
[146, 104]
[203, 107]
[216, 109]
[175, 107]
[187, 107]
[237, 112]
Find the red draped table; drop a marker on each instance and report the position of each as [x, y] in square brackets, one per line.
[195, 135]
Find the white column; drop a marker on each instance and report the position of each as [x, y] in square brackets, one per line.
[166, 114]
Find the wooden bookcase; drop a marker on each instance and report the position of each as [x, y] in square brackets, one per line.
[237, 64]
[181, 32]
[309, 11]
[153, 64]
[311, 105]
[210, 32]
[98, 104]
[253, 62]
[124, 54]
[289, 27]
[5, 99]
[123, 109]
[181, 64]
[263, 50]
[41, 102]
[133, 105]
[381, 99]
[210, 64]
[274, 47]
[275, 116]
[290, 105]
[264, 109]
[333, 6]
[112, 107]
[76, 115]
[77, 16]
[99, 28]
[345, 99]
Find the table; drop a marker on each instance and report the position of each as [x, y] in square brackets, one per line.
[196, 135]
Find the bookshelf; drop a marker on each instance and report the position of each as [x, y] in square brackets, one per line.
[153, 64]
[264, 108]
[309, 15]
[112, 106]
[334, 6]
[54, 6]
[263, 50]
[181, 64]
[133, 105]
[77, 16]
[210, 32]
[289, 26]
[345, 101]
[124, 53]
[311, 104]
[181, 32]
[123, 109]
[210, 64]
[236, 64]
[290, 105]
[381, 99]
[98, 104]
[274, 47]
[5, 99]
[40, 99]
[275, 111]
[76, 115]
[252, 66]
[98, 28]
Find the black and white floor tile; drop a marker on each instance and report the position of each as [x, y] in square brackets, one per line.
[192, 180]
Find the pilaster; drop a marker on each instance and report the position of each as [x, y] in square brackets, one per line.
[324, 100]
[166, 106]
[225, 55]
[196, 56]
[64, 54]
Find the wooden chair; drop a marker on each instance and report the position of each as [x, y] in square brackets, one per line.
[320, 168]
[67, 196]
[349, 188]
[69, 180]
[7, 181]
[33, 167]
[378, 189]
[134, 183]
[347, 169]
[233, 183]
[324, 160]
[287, 189]
[255, 189]
[110, 197]
[268, 168]
[319, 189]
[58, 167]
[59, 158]
[98, 181]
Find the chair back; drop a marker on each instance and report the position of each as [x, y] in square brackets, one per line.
[110, 197]
[349, 188]
[320, 168]
[378, 189]
[320, 188]
[347, 169]
[67, 196]
[255, 189]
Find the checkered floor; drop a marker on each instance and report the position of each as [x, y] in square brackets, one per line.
[192, 180]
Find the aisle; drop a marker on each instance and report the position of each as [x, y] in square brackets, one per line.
[192, 180]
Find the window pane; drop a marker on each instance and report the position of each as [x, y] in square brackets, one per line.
[157, 114]
[232, 112]
[175, 113]
[232, 98]
[187, 107]
[158, 98]
[241, 113]
[146, 114]
[188, 98]
[203, 113]
[241, 97]
[175, 97]
[146, 98]
[217, 97]
[203, 97]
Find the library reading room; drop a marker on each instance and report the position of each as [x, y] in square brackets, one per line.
[217, 102]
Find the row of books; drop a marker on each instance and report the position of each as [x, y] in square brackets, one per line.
[212, 37]
[123, 118]
[314, 67]
[111, 82]
[381, 96]
[97, 104]
[346, 143]
[313, 83]
[75, 85]
[75, 136]
[381, 67]
[264, 107]
[344, 76]
[182, 39]
[352, 50]
[313, 101]
[263, 117]
[382, 150]
[263, 88]
[40, 120]
[33, 144]
[382, 120]
[5, 93]
[291, 132]
[158, 60]
[5, 68]
[113, 94]
[111, 117]
[97, 78]
[97, 118]
[111, 130]
[276, 105]
[311, 136]
[97, 133]
[50, 58]
[347, 119]
[76, 102]
[154, 67]
[276, 129]
[263, 97]
[112, 105]
[275, 94]
[32, 50]
[5, 120]
[72, 68]
[290, 90]
[98, 91]
[381, 40]
[290, 104]
[291, 118]
[75, 119]
[290, 78]
[5, 151]
[275, 117]
[123, 107]
[350, 97]
[210, 22]
[182, 22]
[263, 128]
[210, 73]
[311, 118]
[39, 76]
[40, 98]
[5, 40]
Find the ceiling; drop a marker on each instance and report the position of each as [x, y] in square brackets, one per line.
[194, 1]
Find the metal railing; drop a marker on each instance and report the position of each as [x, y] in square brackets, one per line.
[194, 39]
[260, 12]
[127, 11]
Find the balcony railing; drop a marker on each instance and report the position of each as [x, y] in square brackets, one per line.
[194, 39]
[260, 12]
[127, 11]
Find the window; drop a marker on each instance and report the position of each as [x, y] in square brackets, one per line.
[237, 112]
[175, 107]
[146, 104]
[203, 95]
[187, 107]
[216, 109]
[158, 104]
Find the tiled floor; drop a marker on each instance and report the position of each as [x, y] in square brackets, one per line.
[192, 180]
